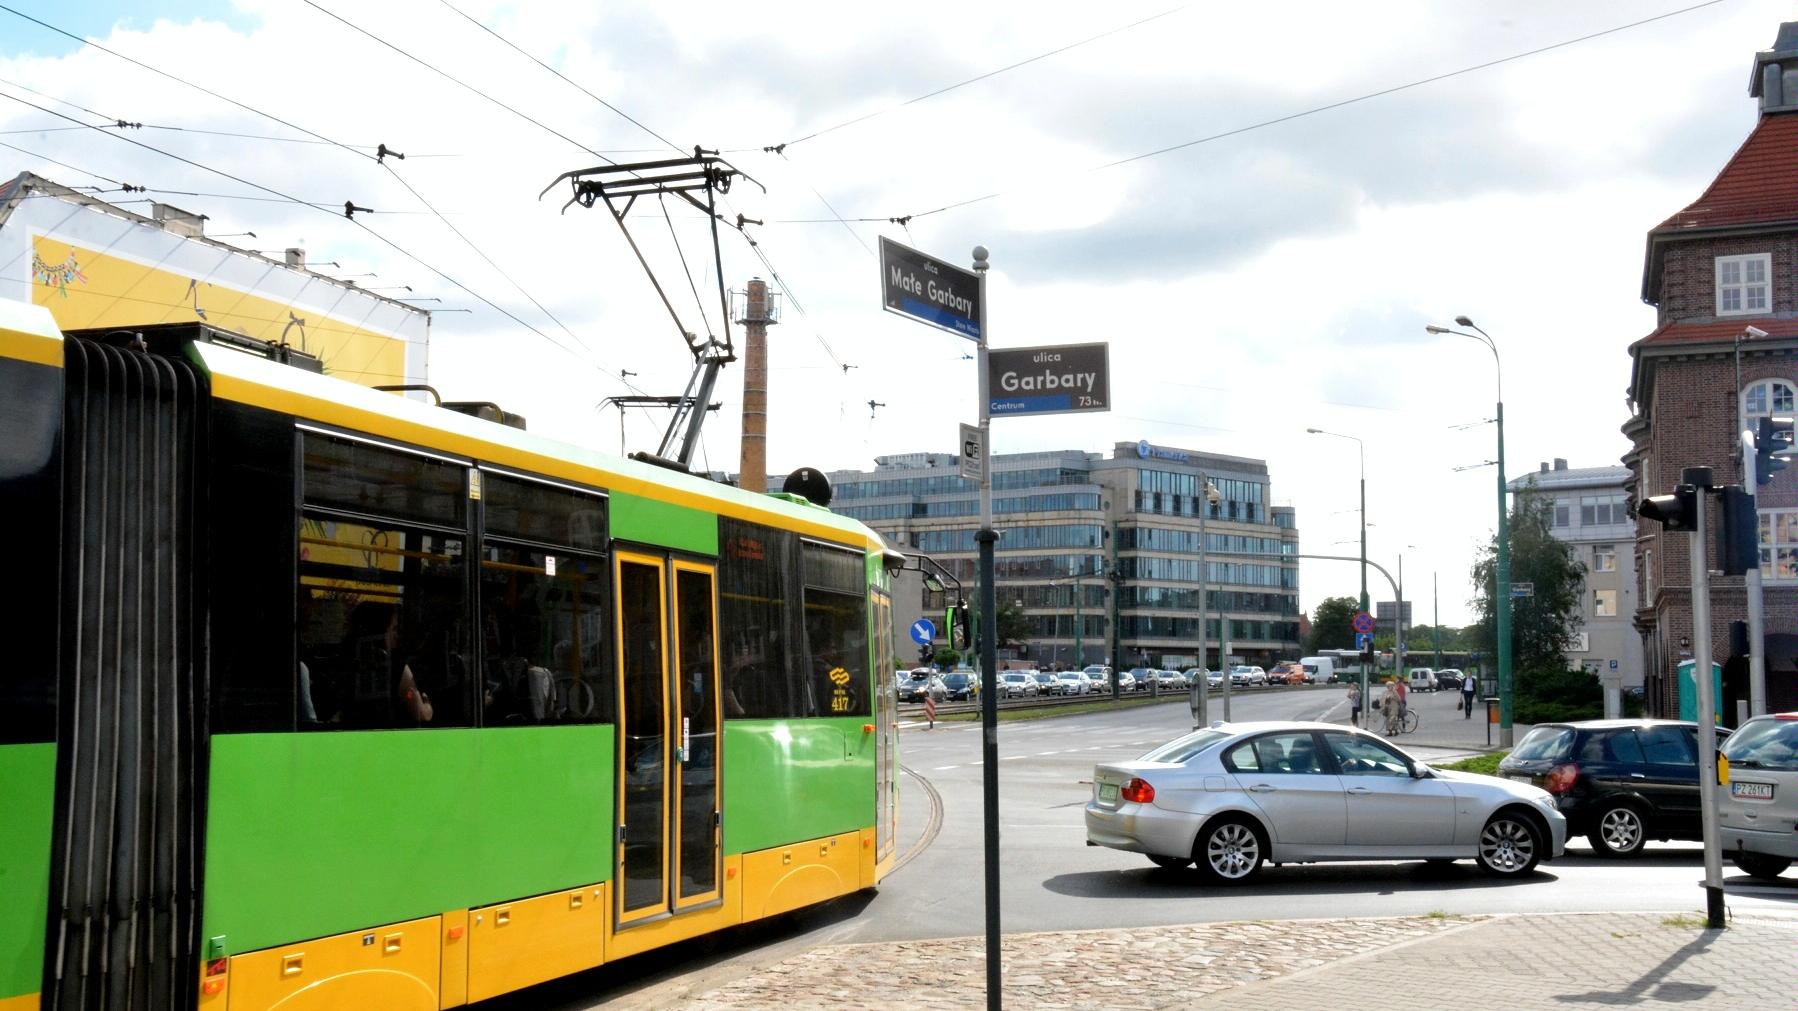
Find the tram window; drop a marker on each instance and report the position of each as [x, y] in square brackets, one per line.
[545, 638]
[836, 632]
[360, 478]
[382, 627]
[542, 513]
[758, 598]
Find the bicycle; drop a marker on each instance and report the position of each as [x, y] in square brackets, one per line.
[1407, 724]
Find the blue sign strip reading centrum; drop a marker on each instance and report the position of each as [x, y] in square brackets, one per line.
[1032, 405]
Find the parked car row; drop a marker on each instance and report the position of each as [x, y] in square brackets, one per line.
[1621, 783]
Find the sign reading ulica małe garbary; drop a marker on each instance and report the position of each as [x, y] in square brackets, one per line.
[929, 290]
[1068, 378]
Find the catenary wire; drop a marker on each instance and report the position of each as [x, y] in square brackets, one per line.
[362, 225]
[515, 48]
[778, 148]
[1316, 110]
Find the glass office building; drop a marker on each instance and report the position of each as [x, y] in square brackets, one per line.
[1080, 532]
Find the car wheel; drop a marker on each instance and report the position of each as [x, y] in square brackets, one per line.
[1168, 862]
[1618, 831]
[1510, 845]
[1761, 865]
[1229, 850]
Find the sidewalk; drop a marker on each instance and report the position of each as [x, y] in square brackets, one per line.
[1398, 964]
[1440, 726]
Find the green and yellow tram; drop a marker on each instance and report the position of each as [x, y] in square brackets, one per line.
[319, 696]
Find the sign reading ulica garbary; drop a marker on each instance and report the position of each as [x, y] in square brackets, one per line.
[929, 290]
[1068, 378]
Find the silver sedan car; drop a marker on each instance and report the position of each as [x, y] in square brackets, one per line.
[1236, 794]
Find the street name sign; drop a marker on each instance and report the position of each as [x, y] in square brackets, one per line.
[922, 631]
[1362, 622]
[929, 290]
[971, 459]
[1523, 590]
[1065, 379]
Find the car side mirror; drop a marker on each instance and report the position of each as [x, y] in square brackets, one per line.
[1420, 771]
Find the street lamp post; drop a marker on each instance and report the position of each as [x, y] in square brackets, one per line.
[1362, 447]
[1503, 590]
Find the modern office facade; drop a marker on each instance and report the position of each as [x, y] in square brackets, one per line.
[1078, 528]
[1590, 513]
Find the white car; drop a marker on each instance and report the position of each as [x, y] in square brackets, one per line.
[1420, 679]
[1246, 676]
[1018, 684]
[1757, 810]
[1126, 681]
[1101, 674]
[1232, 796]
[1170, 680]
[1073, 682]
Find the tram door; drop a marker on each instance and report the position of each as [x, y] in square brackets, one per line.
[668, 855]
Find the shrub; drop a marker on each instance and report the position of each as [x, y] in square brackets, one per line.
[1549, 695]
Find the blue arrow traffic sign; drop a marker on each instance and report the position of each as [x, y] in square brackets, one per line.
[1363, 640]
[923, 631]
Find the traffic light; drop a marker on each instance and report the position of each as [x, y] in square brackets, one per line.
[1678, 511]
[1738, 532]
[1773, 448]
[926, 653]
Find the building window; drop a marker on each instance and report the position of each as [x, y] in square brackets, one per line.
[1742, 284]
[1769, 396]
[1604, 558]
[1600, 510]
[1604, 603]
[1779, 545]
[1563, 514]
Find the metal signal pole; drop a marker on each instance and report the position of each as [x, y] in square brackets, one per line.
[1700, 478]
[989, 662]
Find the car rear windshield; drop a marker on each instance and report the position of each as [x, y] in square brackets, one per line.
[1764, 744]
[1544, 743]
[1177, 751]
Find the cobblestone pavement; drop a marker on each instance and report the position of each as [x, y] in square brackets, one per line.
[1546, 961]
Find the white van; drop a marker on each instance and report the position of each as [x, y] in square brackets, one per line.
[1319, 670]
[1421, 679]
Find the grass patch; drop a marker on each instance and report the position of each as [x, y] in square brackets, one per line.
[1684, 921]
[1071, 709]
[1485, 765]
[1435, 914]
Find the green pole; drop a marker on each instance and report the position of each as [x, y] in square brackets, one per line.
[1504, 594]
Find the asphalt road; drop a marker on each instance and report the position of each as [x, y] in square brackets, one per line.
[1050, 880]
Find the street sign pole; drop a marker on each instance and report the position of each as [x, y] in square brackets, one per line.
[989, 659]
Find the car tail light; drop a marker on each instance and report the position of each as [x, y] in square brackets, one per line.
[1561, 778]
[1138, 791]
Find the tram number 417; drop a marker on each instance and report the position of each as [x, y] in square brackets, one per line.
[839, 697]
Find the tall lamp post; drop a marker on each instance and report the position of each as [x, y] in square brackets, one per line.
[1362, 447]
[1503, 590]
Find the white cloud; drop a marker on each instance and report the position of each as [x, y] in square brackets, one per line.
[1250, 287]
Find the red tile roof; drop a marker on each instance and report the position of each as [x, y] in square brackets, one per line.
[1719, 331]
[1758, 185]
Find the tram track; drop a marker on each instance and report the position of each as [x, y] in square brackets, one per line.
[932, 826]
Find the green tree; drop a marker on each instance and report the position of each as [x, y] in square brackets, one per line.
[1330, 628]
[1542, 624]
[946, 656]
[1014, 625]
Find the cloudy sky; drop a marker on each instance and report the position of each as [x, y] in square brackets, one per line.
[1250, 286]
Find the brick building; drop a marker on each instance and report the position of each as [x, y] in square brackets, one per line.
[1724, 264]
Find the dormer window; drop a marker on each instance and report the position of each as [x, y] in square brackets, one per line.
[1742, 287]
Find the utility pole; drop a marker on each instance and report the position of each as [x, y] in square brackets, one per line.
[1700, 479]
[1436, 617]
[752, 472]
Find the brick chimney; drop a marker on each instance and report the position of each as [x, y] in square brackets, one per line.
[752, 473]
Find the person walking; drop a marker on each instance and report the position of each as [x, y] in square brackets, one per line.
[1354, 699]
[1468, 685]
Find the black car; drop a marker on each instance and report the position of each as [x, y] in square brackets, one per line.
[1618, 782]
[960, 686]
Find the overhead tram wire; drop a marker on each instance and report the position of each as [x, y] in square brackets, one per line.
[1315, 110]
[455, 80]
[515, 48]
[360, 224]
[73, 168]
[781, 147]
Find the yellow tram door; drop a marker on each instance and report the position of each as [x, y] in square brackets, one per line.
[669, 762]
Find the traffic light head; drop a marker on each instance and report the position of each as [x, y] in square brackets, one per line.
[1678, 511]
[960, 626]
[1773, 449]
